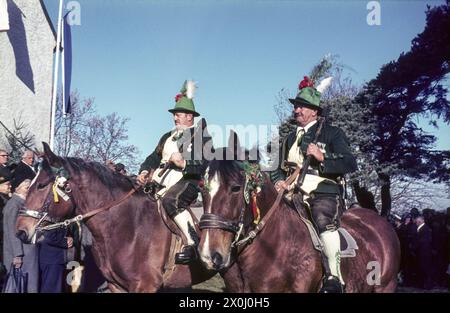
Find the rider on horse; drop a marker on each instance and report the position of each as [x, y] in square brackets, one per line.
[331, 159]
[176, 166]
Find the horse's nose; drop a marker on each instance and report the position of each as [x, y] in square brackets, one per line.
[217, 260]
[22, 235]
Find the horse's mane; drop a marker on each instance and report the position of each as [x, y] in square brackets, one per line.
[107, 177]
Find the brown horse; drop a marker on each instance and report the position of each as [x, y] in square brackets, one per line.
[131, 242]
[281, 258]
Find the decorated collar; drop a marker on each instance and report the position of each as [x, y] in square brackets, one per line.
[254, 180]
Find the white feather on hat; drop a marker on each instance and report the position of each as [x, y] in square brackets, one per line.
[324, 84]
[190, 89]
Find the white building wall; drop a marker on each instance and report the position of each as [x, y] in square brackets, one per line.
[26, 69]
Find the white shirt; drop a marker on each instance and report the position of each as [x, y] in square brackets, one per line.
[295, 154]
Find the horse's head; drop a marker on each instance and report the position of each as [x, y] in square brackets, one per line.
[230, 186]
[49, 198]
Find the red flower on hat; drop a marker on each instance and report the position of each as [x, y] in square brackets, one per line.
[306, 82]
[178, 97]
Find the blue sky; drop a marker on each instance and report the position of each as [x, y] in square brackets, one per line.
[132, 56]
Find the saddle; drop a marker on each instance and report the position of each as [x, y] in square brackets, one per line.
[348, 243]
[177, 239]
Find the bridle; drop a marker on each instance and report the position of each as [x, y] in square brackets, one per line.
[61, 188]
[213, 221]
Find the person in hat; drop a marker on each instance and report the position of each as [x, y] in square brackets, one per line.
[182, 149]
[24, 169]
[15, 252]
[331, 159]
[5, 187]
[5, 170]
[414, 213]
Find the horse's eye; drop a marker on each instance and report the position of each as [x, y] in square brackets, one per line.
[235, 188]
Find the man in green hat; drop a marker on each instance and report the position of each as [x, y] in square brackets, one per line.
[331, 159]
[177, 164]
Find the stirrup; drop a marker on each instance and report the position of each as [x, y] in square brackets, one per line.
[187, 255]
[332, 284]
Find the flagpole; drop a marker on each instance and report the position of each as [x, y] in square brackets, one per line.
[63, 74]
[55, 77]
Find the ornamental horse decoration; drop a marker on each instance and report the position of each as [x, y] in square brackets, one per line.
[279, 255]
[131, 242]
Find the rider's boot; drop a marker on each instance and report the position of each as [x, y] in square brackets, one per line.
[185, 223]
[333, 281]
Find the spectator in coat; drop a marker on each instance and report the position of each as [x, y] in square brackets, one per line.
[24, 169]
[5, 190]
[410, 263]
[15, 252]
[52, 259]
[5, 171]
[423, 247]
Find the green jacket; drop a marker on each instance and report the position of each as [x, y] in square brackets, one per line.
[338, 158]
[195, 161]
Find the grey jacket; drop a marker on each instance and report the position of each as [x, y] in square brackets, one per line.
[13, 247]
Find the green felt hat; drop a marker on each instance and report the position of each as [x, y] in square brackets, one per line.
[309, 97]
[184, 100]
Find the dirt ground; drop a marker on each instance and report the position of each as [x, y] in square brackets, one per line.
[216, 285]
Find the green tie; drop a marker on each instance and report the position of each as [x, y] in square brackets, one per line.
[300, 134]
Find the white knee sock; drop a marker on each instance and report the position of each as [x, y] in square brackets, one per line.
[183, 220]
[332, 250]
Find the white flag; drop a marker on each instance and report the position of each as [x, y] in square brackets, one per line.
[4, 19]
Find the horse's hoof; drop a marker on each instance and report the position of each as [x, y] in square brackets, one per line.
[332, 284]
[187, 255]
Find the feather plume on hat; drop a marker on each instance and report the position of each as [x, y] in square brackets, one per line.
[324, 84]
[190, 89]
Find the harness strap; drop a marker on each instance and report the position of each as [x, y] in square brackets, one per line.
[109, 206]
[253, 233]
[81, 217]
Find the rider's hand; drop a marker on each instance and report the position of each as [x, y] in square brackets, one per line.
[315, 152]
[69, 242]
[17, 261]
[177, 159]
[281, 185]
[142, 178]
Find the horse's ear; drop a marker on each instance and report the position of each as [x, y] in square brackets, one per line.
[234, 149]
[52, 158]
